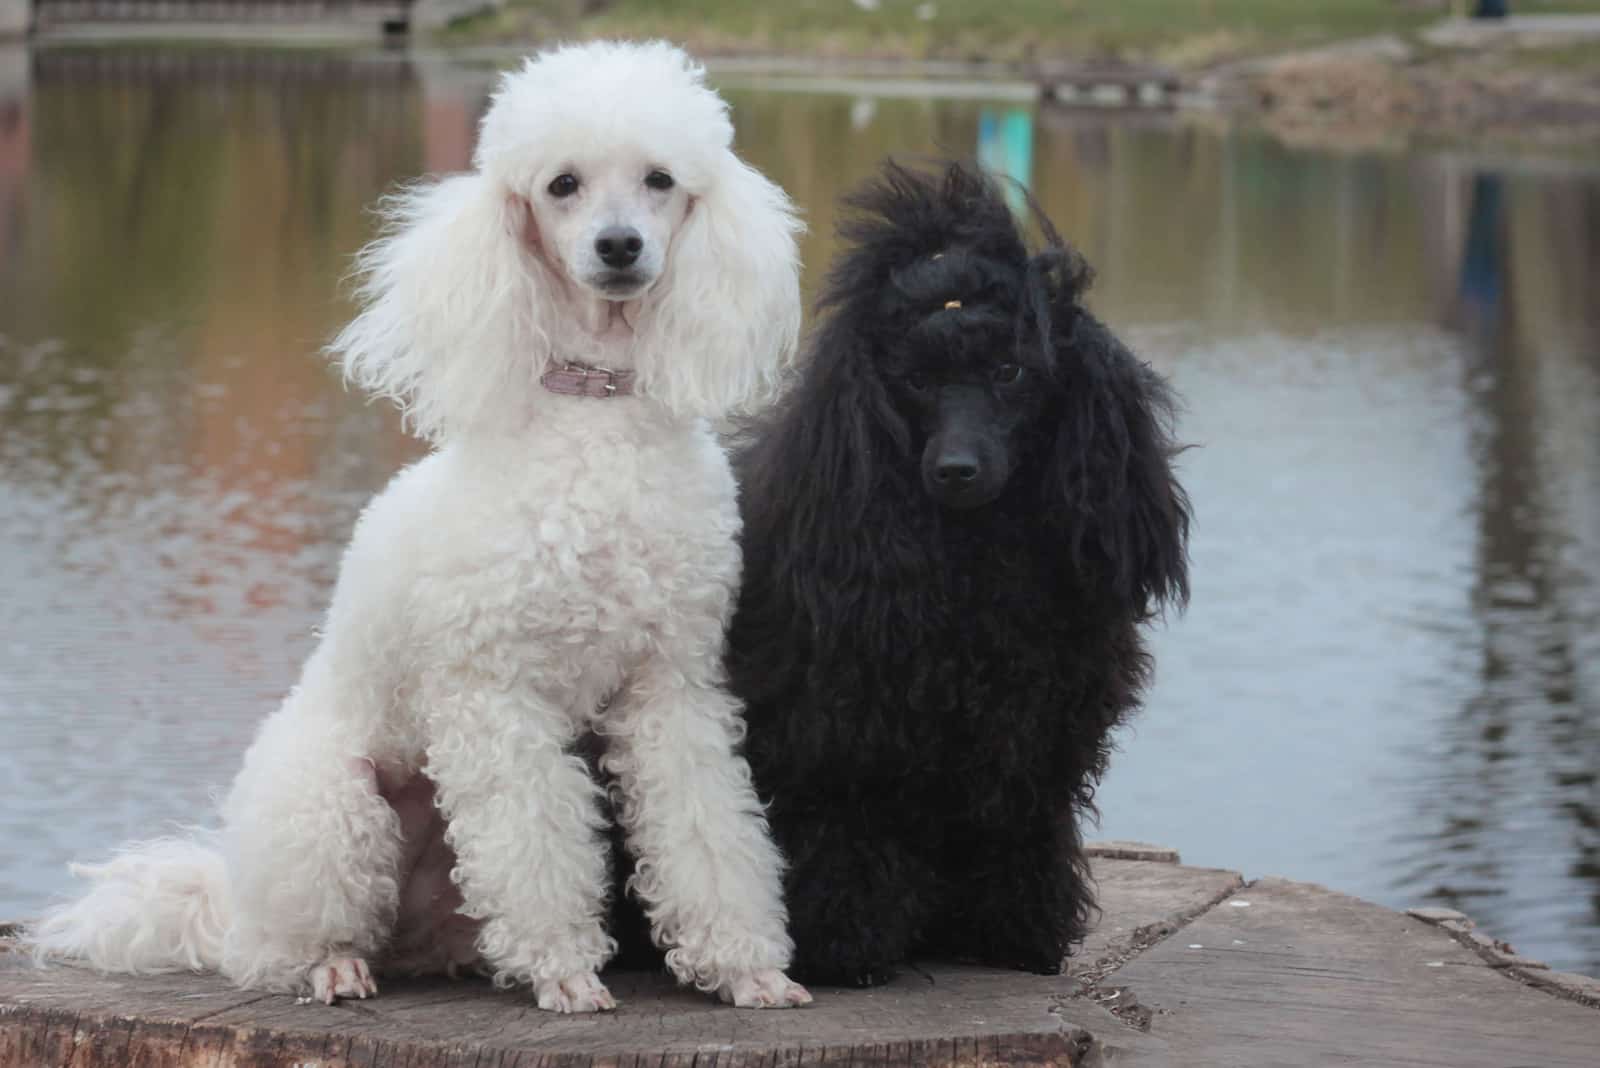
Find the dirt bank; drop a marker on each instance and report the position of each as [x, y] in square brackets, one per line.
[1397, 85]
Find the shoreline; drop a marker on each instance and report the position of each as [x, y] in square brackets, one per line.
[1349, 93]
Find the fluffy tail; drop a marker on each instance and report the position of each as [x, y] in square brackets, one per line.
[158, 906]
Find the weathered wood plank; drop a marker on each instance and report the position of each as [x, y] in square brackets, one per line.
[1143, 902]
[1121, 849]
[1290, 973]
[432, 1024]
[71, 1018]
[943, 1002]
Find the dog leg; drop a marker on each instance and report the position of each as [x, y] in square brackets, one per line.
[312, 849]
[858, 894]
[1020, 899]
[708, 872]
[523, 815]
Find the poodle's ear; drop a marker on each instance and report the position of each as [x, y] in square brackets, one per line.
[829, 451]
[453, 299]
[721, 333]
[1126, 515]
[828, 463]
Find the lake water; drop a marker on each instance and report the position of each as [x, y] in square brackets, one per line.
[1389, 681]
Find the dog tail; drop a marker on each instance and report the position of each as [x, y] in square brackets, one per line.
[157, 906]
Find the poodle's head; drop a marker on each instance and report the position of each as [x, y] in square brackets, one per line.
[602, 151]
[606, 221]
[957, 364]
[959, 322]
[968, 383]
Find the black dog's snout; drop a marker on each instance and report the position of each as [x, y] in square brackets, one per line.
[966, 460]
[953, 469]
[619, 246]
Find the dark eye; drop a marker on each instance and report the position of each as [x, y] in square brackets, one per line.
[917, 381]
[660, 180]
[1007, 373]
[563, 185]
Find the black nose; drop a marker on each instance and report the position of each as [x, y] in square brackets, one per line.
[619, 246]
[955, 470]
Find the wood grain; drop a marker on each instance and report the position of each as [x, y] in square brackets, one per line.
[1220, 973]
[63, 1017]
[1291, 973]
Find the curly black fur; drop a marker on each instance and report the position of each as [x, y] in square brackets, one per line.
[955, 525]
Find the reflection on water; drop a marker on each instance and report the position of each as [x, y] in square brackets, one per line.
[1005, 147]
[1389, 680]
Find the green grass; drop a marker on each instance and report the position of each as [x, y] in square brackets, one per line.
[1186, 32]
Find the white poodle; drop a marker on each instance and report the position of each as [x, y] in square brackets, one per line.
[559, 323]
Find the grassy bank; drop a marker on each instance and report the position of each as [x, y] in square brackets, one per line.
[1186, 33]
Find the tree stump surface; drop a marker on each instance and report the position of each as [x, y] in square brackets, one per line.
[1187, 966]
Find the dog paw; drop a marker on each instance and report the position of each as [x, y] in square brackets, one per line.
[769, 989]
[341, 977]
[577, 993]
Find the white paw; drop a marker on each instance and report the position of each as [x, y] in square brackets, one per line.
[577, 993]
[769, 989]
[341, 977]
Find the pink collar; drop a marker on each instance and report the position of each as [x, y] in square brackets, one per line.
[581, 380]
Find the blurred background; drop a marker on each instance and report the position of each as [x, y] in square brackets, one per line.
[1362, 237]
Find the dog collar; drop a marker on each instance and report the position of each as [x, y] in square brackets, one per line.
[581, 380]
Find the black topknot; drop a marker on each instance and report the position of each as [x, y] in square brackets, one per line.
[924, 237]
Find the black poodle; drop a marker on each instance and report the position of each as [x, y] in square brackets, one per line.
[956, 525]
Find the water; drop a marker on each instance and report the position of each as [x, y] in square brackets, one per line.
[1389, 681]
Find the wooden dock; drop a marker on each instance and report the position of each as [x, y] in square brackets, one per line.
[245, 20]
[1188, 966]
[1102, 86]
[391, 15]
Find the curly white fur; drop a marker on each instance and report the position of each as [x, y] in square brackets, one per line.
[551, 553]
